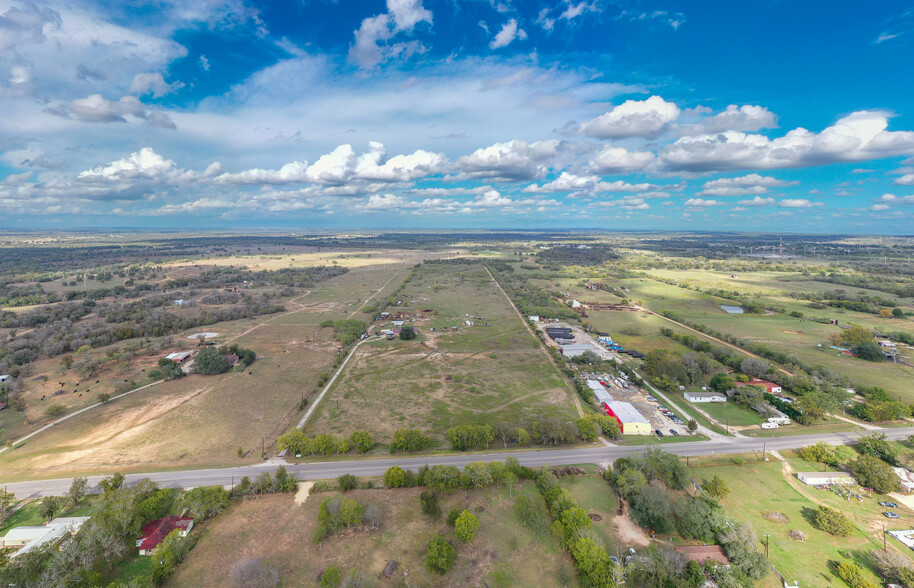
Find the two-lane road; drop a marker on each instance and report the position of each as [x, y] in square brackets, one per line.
[374, 467]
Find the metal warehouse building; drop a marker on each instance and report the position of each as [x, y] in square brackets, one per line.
[630, 420]
[576, 349]
[602, 394]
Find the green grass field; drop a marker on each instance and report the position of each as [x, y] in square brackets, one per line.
[732, 414]
[493, 371]
[798, 336]
[757, 487]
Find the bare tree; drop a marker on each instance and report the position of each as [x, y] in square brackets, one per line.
[252, 572]
[504, 431]
[754, 366]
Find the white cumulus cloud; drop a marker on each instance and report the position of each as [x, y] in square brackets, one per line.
[734, 118]
[512, 160]
[859, 136]
[633, 118]
[402, 16]
[743, 186]
[617, 160]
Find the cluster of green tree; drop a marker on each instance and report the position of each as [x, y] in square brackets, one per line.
[649, 483]
[808, 379]
[591, 426]
[843, 299]
[586, 255]
[167, 370]
[443, 478]
[265, 483]
[463, 437]
[878, 406]
[872, 469]
[339, 512]
[669, 369]
[295, 442]
[63, 332]
[883, 282]
[117, 516]
[211, 361]
[222, 277]
[410, 441]
[832, 455]
[346, 331]
[573, 528]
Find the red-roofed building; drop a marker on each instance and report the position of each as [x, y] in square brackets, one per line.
[769, 387]
[157, 530]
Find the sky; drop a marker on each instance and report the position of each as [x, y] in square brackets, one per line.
[771, 116]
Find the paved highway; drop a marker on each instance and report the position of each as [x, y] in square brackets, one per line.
[374, 467]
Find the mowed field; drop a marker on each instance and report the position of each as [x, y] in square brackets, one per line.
[280, 532]
[493, 371]
[798, 336]
[200, 420]
[759, 487]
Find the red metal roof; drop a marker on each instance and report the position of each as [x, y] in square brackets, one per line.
[157, 530]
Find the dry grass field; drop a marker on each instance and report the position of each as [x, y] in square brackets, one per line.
[277, 530]
[197, 420]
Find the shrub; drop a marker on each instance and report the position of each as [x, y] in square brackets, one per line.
[853, 575]
[362, 441]
[394, 477]
[874, 473]
[430, 505]
[833, 522]
[452, 517]
[330, 578]
[55, 410]
[337, 513]
[347, 482]
[466, 526]
[410, 440]
[441, 555]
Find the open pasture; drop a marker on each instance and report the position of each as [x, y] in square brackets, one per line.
[490, 372]
[277, 530]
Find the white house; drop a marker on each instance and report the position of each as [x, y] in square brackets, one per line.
[704, 396]
[27, 538]
[824, 478]
[906, 537]
[907, 479]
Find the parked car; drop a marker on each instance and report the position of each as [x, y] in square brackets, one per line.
[891, 515]
[674, 432]
[659, 433]
[888, 504]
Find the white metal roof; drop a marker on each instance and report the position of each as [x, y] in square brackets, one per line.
[627, 413]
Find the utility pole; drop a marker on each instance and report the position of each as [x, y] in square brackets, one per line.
[884, 546]
[767, 541]
[764, 445]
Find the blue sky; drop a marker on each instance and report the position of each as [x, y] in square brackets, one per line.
[775, 116]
